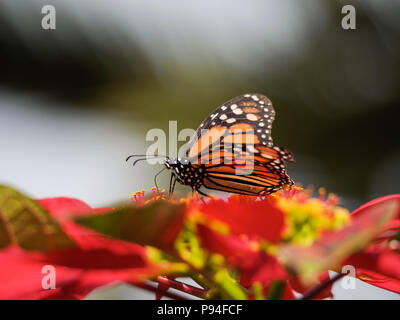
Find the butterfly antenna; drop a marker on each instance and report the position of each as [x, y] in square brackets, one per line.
[137, 160]
[146, 156]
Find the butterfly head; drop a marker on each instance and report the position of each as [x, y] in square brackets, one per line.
[171, 163]
[175, 164]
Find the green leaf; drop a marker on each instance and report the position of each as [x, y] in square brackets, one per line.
[156, 224]
[25, 223]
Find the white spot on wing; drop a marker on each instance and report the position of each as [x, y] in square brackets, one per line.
[251, 149]
[251, 117]
[265, 155]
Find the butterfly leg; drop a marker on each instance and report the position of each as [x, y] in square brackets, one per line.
[172, 183]
[155, 180]
[203, 194]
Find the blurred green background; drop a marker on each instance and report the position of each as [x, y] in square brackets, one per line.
[75, 101]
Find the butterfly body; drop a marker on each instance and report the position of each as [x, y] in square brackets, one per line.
[232, 151]
[185, 172]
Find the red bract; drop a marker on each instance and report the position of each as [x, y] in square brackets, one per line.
[257, 219]
[93, 251]
[376, 201]
[265, 269]
[94, 261]
[238, 247]
[238, 251]
[379, 264]
[21, 274]
[393, 225]
[254, 264]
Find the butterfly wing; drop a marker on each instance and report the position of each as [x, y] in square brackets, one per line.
[240, 131]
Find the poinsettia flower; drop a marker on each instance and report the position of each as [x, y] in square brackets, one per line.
[240, 247]
[237, 242]
[93, 261]
[246, 230]
[254, 264]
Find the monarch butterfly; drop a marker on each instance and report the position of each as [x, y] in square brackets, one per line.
[216, 155]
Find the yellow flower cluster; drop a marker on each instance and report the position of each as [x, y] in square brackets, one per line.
[307, 218]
